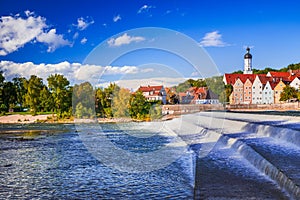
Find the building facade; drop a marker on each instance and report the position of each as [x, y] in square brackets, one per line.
[154, 93]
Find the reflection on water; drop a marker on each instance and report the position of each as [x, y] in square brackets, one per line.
[51, 163]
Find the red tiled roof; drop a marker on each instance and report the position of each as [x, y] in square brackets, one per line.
[280, 74]
[150, 88]
[231, 78]
[264, 79]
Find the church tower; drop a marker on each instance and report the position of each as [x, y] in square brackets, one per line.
[248, 62]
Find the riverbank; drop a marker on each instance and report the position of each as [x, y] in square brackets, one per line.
[49, 118]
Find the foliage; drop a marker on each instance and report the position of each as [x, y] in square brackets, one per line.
[120, 103]
[46, 100]
[182, 87]
[59, 89]
[104, 99]
[224, 96]
[20, 90]
[9, 95]
[155, 110]
[83, 100]
[139, 108]
[215, 84]
[32, 98]
[238, 72]
[288, 93]
[291, 67]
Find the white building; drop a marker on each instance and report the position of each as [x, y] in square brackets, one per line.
[257, 88]
[154, 93]
[268, 94]
[295, 83]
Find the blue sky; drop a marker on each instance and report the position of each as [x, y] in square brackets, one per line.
[49, 33]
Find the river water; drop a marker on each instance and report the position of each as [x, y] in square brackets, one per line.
[54, 163]
[51, 161]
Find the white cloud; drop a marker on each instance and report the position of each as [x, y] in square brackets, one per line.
[145, 8]
[117, 18]
[212, 39]
[82, 23]
[124, 39]
[16, 31]
[83, 40]
[75, 36]
[53, 40]
[75, 72]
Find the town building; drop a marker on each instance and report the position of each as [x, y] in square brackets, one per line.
[296, 82]
[198, 95]
[249, 88]
[277, 91]
[154, 93]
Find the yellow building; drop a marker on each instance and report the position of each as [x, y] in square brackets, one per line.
[277, 91]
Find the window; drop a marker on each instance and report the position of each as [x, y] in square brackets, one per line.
[253, 87]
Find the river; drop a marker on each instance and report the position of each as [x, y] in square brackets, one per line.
[208, 156]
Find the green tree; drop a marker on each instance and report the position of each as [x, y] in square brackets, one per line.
[32, 98]
[104, 98]
[83, 100]
[9, 95]
[120, 103]
[20, 90]
[216, 85]
[2, 105]
[46, 100]
[288, 93]
[224, 96]
[139, 107]
[59, 86]
[155, 111]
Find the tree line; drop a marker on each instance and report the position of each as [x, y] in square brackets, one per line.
[82, 101]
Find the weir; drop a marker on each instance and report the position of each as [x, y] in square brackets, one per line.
[283, 180]
[264, 166]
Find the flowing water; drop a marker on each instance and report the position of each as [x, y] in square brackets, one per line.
[247, 160]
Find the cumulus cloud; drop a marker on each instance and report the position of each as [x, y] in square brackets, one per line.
[212, 39]
[73, 71]
[124, 39]
[145, 8]
[83, 40]
[82, 23]
[16, 31]
[117, 18]
[52, 39]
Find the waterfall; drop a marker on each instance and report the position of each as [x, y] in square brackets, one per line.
[286, 134]
[264, 166]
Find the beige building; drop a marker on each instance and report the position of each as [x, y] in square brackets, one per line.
[277, 91]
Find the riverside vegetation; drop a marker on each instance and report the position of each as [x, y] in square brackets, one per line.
[83, 101]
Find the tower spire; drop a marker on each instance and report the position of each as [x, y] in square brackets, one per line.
[248, 62]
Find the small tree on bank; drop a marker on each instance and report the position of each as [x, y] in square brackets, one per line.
[288, 93]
